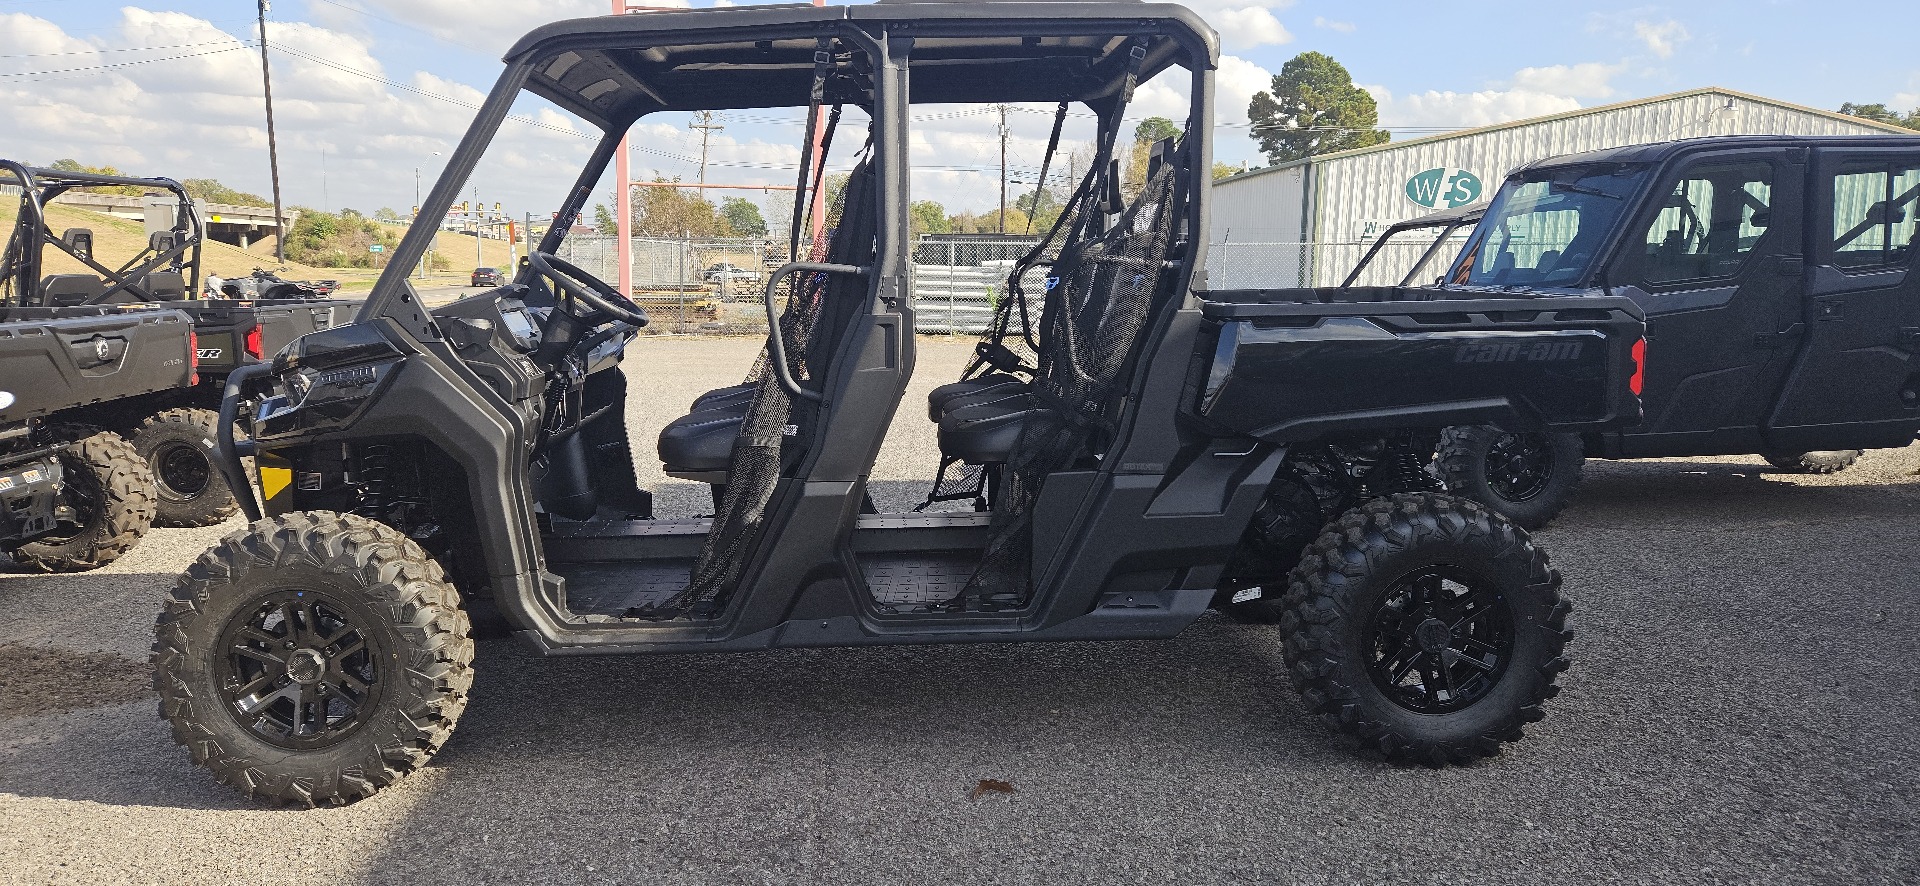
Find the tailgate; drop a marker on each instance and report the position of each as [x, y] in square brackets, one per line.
[234, 334]
[48, 365]
[1286, 372]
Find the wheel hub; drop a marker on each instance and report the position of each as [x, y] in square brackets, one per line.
[306, 666]
[1519, 466]
[1433, 635]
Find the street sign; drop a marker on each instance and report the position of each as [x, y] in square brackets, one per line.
[376, 248]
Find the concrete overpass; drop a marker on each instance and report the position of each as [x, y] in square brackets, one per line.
[234, 225]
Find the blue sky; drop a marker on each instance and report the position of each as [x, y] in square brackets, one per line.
[1433, 66]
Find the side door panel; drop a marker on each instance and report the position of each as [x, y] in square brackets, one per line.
[1718, 273]
[1856, 382]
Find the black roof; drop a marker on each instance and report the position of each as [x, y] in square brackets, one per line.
[611, 70]
[1660, 152]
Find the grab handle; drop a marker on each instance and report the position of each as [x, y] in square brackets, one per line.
[775, 341]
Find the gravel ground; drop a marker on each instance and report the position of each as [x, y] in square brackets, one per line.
[1737, 713]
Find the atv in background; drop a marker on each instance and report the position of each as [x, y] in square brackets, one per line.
[1781, 285]
[171, 427]
[73, 496]
[265, 285]
[1137, 449]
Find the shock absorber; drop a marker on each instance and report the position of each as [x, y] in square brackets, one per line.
[1401, 468]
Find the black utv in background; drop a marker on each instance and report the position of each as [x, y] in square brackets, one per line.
[73, 496]
[1781, 286]
[1135, 448]
[172, 427]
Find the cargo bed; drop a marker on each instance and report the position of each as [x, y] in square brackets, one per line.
[1297, 364]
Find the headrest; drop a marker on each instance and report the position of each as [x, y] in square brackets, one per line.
[80, 240]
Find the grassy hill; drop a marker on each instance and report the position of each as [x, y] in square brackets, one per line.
[115, 240]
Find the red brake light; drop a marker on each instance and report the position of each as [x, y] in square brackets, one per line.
[193, 358]
[254, 346]
[1639, 379]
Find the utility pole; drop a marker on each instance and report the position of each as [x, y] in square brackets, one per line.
[707, 128]
[273, 145]
[1003, 167]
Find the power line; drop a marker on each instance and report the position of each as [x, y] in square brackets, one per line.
[127, 49]
[118, 65]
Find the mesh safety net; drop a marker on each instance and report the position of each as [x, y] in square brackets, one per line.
[1105, 288]
[819, 310]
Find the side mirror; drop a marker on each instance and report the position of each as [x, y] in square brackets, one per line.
[1761, 220]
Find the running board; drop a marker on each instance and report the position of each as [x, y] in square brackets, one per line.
[1120, 616]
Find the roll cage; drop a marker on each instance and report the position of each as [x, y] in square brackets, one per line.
[176, 250]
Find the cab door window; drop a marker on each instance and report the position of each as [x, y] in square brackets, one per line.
[1710, 222]
[1874, 213]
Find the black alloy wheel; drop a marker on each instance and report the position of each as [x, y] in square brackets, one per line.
[298, 670]
[1519, 466]
[182, 470]
[1439, 640]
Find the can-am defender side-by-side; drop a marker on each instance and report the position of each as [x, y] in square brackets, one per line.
[1137, 449]
[73, 496]
[171, 427]
[1780, 284]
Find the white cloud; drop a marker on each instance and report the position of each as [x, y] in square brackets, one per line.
[1437, 109]
[1661, 38]
[1331, 25]
[1243, 24]
[1584, 80]
[203, 117]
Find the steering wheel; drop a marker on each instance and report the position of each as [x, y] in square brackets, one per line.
[587, 289]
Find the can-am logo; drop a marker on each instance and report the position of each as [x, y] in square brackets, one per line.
[1444, 188]
[1517, 352]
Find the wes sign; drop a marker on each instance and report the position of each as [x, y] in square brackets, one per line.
[1444, 188]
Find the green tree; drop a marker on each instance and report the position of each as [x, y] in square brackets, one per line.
[603, 220]
[744, 217]
[1879, 113]
[671, 212]
[929, 217]
[1314, 108]
[213, 191]
[1225, 170]
[389, 215]
[338, 240]
[1153, 129]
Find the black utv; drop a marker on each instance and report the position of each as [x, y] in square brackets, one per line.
[1127, 451]
[1781, 286]
[75, 497]
[172, 427]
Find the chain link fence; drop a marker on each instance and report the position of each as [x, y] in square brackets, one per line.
[1288, 265]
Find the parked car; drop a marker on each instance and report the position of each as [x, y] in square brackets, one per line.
[488, 277]
[727, 272]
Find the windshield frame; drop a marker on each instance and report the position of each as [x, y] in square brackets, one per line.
[1576, 182]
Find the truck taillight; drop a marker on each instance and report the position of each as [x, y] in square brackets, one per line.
[1639, 379]
[193, 358]
[254, 348]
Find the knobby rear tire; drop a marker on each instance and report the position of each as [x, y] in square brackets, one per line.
[174, 434]
[1352, 568]
[106, 473]
[1461, 462]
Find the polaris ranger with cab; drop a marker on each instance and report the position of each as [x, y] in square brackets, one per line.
[1140, 449]
[1781, 286]
[172, 427]
[75, 497]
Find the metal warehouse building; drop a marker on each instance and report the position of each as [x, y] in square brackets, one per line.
[1307, 222]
